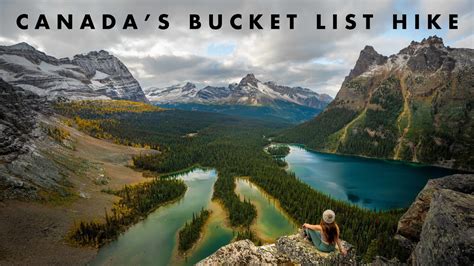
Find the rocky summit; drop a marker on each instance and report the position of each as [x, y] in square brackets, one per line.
[438, 228]
[415, 106]
[288, 250]
[96, 75]
[249, 91]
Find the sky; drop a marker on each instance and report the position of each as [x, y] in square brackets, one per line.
[305, 56]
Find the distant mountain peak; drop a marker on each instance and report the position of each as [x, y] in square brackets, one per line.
[369, 49]
[249, 79]
[22, 46]
[100, 53]
[189, 86]
[250, 76]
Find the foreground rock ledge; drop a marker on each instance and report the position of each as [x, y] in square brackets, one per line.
[289, 250]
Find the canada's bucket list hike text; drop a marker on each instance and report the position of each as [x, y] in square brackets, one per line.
[239, 21]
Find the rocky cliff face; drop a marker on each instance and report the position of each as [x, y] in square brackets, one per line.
[415, 106]
[96, 75]
[25, 168]
[287, 250]
[249, 91]
[18, 120]
[438, 228]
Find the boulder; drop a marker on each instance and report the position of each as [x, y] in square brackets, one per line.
[410, 224]
[447, 236]
[438, 228]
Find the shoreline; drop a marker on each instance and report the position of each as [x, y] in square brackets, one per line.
[182, 171]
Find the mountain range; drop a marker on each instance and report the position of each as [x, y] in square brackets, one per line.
[96, 75]
[100, 75]
[249, 98]
[416, 105]
[249, 91]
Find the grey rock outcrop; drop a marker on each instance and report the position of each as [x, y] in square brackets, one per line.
[427, 55]
[438, 228]
[288, 250]
[244, 252]
[18, 111]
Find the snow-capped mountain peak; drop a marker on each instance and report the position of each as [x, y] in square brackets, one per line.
[249, 80]
[22, 46]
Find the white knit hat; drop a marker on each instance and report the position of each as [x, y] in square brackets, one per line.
[329, 216]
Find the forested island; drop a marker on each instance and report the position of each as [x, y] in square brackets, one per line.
[279, 151]
[191, 231]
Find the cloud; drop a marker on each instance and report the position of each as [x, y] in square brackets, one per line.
[317, 59]
[467, 42]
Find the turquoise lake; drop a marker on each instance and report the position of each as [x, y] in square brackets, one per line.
[369, 183]
[153, 241]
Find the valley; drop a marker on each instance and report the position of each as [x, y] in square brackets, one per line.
[234, 147]
[95, 167]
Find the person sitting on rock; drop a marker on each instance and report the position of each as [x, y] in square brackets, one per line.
[325, 235]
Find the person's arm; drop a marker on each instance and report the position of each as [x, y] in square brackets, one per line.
[339, 244]
[341, 248]
[315, 227]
